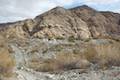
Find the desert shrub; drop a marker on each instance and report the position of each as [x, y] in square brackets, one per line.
[56, 48]
[67, 60]
[6, 63]
[59, 38]
[44, 65]
[108, 54]
[63, 61]
[86, 40]
[104, 55]
[71, 39]
[90, 53]
[49, 65]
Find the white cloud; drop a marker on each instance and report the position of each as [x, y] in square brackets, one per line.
[10, 19]
[101, 1]
[12, 10]
[116, 10]
[63, 2]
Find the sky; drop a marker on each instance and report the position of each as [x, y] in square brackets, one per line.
[13, 10]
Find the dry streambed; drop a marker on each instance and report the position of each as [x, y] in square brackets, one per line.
[78, 74]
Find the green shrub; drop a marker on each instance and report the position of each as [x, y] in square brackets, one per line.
[59, 38]
[71, 39]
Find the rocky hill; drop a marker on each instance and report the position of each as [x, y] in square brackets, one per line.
[80, 43]
[80, 22]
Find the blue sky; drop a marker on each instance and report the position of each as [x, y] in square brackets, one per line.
[13, 10]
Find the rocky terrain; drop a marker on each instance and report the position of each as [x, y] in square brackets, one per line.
[80, 43]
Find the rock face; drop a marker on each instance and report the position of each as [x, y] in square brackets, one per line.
[60, 22]
[80, 22]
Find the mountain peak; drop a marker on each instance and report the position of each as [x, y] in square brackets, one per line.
[58, 10]
[83, 7]
[58, 7]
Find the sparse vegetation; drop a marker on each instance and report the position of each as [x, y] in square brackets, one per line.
[63, 61]
[7, 63]
[108, 54]
[104, 55]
